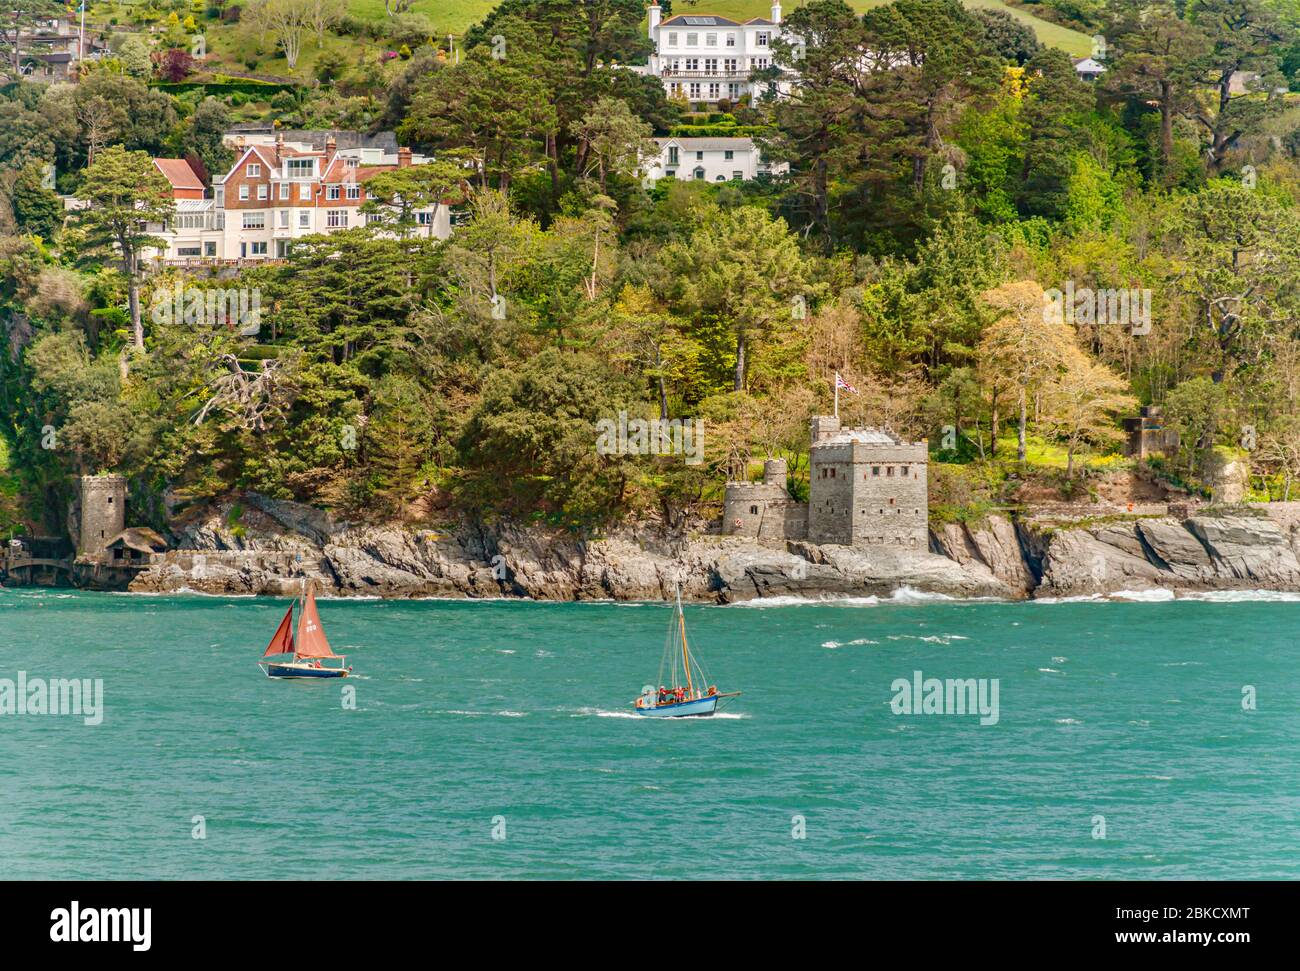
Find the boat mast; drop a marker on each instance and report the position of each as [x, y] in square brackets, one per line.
[686, 657]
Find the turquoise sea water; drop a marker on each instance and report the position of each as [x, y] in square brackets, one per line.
[479, 716]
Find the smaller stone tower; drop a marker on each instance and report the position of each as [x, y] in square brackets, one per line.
[103, 512]
[764, 510]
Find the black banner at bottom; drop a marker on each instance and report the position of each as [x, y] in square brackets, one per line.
[338, 920]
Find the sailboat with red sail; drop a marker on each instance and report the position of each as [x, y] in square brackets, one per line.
[304, 655]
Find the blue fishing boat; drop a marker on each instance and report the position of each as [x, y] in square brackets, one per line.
[306, 655]
[697, 697]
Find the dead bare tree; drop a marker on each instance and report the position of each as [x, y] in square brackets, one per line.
[247, 396]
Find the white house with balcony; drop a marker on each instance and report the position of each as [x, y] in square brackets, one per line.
[711, 160]
[706, 58]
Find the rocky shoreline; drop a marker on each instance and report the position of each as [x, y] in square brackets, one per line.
[275, 544]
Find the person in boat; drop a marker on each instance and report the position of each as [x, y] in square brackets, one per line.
[713, 690]
[663, 694]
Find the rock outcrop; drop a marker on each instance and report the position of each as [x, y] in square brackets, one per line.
[1203, 552]
[265, 546]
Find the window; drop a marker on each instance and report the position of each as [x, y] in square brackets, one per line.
[424, 218]
[257, 249]
[672, 155]
[713, 91]
[692, 64]
[672, 39]
[889, 470]
[761, 39]
[262, 192]
[180, 251]
[304, 191]
[875, 470]
[738, 175]
[284, 218]
[699, 156]
[753, 510]
[284, 191]
[730, 65]
[892, 502]
[354, 191]
[210, 248]
[731, 40]
[695, 89]
[336, 218]
[221, 197]
[671, 173]
[692, 40]
[699, 173]
[721, 178]
[832, 473]
[711, 65]
[255, 219]
[254, 170]
[331, 192]
[710, 40]
[243, 192]
[304, 219]
[729, 155]
[300, 168]
[374, 217]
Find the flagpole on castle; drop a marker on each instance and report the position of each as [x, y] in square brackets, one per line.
[837, 395]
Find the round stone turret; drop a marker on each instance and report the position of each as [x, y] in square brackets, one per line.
[775, 472]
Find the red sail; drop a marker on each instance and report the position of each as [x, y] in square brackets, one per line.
[282, 642]
[311, 636]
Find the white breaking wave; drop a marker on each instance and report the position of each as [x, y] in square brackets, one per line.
[1158, 595]
[903, 595]
[1242, 596]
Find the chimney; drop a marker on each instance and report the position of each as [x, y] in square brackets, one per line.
[403, 157]
[776, 11]
[330, 145]
[279, 146]
[656, 14]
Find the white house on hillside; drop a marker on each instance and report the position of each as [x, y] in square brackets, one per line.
[706, 58]
[711, 160]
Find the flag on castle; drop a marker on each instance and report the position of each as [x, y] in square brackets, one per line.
[841, 383]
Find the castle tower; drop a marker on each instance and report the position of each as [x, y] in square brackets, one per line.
[868, 488]
[103, 512]
[764, 510]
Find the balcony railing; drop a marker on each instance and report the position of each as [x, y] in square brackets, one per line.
[720, 75]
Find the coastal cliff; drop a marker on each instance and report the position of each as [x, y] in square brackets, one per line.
[275, 544]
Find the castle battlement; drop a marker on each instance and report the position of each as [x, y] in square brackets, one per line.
[867, 487]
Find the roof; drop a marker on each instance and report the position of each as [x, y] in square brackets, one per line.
[179, 173]
[141, 539]
[709, 144]
[194, 205]
[861, 436]
[699, 20]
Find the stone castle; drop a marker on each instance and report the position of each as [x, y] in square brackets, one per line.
[867, 487]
